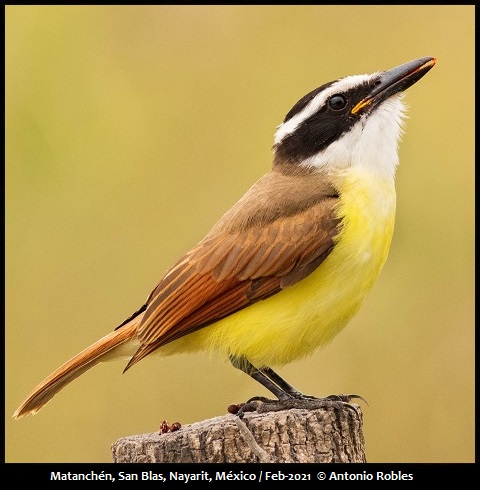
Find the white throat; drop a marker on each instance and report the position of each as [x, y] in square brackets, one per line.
[370, 145]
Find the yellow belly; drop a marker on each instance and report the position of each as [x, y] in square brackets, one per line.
[304, 317]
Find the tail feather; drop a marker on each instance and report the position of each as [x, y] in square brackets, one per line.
[73, 368]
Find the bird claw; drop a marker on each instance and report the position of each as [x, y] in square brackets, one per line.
[346, 398]
[262, 399]
[261, 404]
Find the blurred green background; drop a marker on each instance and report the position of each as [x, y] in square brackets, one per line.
[131, 129]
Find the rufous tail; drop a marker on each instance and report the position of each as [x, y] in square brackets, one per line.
[76, 366]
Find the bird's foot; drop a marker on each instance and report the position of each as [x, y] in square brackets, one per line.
[261, 404]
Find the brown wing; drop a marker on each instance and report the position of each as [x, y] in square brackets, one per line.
[231, 269]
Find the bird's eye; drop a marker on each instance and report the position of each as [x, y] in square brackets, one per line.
[337, 102]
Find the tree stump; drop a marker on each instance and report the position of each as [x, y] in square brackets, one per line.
[325, 435]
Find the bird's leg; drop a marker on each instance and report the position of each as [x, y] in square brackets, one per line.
[261, 376]
[286, 387]
[287, 396]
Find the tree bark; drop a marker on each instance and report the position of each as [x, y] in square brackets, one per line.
[324, 435]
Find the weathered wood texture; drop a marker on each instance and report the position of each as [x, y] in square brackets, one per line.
[329, 435]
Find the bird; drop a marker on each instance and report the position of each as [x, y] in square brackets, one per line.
[285, 269]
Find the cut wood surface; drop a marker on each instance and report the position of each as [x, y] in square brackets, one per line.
[325, 435]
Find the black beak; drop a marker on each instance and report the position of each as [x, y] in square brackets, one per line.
[396, 80]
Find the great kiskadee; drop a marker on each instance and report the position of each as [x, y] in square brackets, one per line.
[284, 270]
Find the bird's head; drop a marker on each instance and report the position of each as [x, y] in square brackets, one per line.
[351, 122]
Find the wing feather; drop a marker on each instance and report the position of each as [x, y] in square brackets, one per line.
[236, 266]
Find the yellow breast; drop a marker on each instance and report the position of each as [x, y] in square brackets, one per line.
[307, 315]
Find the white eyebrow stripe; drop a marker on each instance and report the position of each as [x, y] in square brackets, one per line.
[342, 85]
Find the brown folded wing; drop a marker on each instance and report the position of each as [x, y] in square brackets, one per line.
[230, 270]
